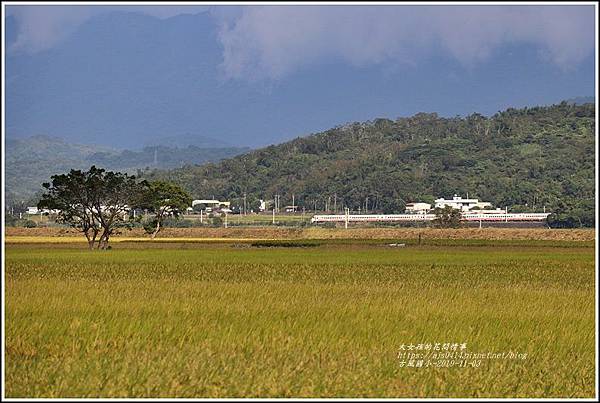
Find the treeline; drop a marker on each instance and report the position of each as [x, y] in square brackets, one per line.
[522, 158]
[162, 156]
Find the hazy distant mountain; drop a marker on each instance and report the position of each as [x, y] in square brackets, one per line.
[130, 80]
[10, 27]
[31, 161]
[581, 100]
[121, 79]
[127, 79]
[186, 140]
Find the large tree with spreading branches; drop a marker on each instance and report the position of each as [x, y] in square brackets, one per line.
[96, 202]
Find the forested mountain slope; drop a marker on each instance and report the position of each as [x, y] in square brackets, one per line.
[525, 159]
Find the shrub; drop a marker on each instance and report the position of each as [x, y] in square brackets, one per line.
[30, 224]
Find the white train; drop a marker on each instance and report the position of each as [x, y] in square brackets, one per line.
[505, 217]
[469, 216]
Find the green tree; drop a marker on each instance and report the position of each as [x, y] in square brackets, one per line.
[217, 221]
[162, 199]
[199, 207]
[95, 201]
[447, 217]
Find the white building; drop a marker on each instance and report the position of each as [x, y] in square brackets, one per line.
[262, 206]
[211, 204]
[35, 210]
[461, 204]
[417, 208]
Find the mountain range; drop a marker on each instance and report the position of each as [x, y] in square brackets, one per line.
[33, 160]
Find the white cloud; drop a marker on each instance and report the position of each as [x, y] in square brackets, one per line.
[273, 41]
[42, 27]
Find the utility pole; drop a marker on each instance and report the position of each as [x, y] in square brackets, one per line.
[335, 203]
[201, 216]
[273, 215]
[293, 204]
[244, 203]
[347, 214]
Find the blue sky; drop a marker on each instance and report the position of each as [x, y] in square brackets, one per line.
[262, 75]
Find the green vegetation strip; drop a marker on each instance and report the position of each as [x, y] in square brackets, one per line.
[313, 242]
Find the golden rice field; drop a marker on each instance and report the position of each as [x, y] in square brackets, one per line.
[240, 318]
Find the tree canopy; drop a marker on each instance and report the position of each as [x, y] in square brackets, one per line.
[447, 217]
[96, 202]
[161, 199]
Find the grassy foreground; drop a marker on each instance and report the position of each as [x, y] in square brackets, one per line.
[227, 320]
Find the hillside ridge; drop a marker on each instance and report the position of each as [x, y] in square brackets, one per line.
[522, 158]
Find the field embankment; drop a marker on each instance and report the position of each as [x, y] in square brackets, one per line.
[542, 234]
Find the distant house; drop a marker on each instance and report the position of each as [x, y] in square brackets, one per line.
[211, 204]
[418, 208]
[290, 209]
[35, 210]
[262, 206]
[461, 204]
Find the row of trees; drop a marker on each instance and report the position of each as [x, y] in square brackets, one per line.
[99, 202]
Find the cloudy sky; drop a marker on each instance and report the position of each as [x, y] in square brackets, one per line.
[277, 40]
[269, 46]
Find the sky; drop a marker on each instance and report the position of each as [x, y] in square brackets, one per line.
[301, 69]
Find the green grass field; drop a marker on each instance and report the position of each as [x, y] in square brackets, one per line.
[232, 320]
